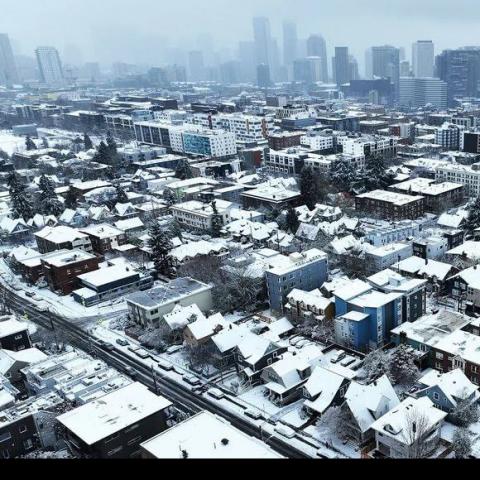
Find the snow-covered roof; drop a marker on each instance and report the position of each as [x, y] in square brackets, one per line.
[470, 249]
[180, 316]
[206, 327]
[23, 253]
[113, 412]
[194, 249]
[11, 326]
[324, 384]
[352, 289]
[452, 220]
[9, 225]
[129, 224]
[471, 276]
[313, 298]
[60, 234]
[102, 231]
[454, 384]
[420, 266]
[104, 276]
[367, 403]
[398, 422]
[207, 436]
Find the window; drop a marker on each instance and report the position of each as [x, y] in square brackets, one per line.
[23, 429]
[436, 396]
[18, 337]
[28, 444]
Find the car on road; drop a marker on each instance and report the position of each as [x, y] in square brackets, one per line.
[173, 349]
[143, 354]
[130, 372]
[192, 380]
[256, 415]
[109, 347]
[29, 293]
[164, 365]
[134, 348]
[285, 431]
[215, 393]
[122, 342]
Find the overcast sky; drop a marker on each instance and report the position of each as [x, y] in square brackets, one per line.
[140, 30]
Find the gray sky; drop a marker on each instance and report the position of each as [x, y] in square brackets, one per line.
[140, 30]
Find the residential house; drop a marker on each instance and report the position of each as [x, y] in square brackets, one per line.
[312, 305]
[104, 237]
[14, 335]
[51, 239]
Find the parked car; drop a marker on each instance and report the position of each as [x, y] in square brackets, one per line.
[173, 349]
[165, 365]
[122, 342]
[143, 354]
[192, 380]
[215, 393]
[285, 431]
[131, 372]
[29, 293]
[109, 347]
[255, 414]
[340, 355]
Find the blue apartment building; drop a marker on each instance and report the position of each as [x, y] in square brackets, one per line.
[305, 271]
[365, 317]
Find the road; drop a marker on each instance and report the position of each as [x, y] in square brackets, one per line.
[180, 395]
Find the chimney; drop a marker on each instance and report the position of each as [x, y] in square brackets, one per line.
[414, 427]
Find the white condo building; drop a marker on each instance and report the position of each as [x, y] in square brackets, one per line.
[50, 65]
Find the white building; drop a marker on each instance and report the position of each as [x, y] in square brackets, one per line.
[199, 215]
[384, 257]
[50, 66]
[448, 136]
[423, 52]
[418, 92]
[468, 176]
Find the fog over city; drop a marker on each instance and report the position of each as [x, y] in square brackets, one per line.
[157, 32]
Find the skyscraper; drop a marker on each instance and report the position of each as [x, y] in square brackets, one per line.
[263, 76]
[317, 47]
[461, 70]
[263, 40]
[50, 66]
[196, 67]
[290, 41]
[8, 69]
[423, 58]
[418, 92]
[386, 64]
[341, 65]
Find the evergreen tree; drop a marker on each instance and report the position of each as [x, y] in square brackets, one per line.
[70, 200]
[473, 220]
[4, 155]
[48, 201]
[30, 144]
[217, 221]
[21, 202]
[121, 195]
[103, 154]
[112, 151]
[308, 187]
[292, 220]
[343, 176]
[183, 170]
[462, 443]
[87, 142]
[161, 246]
[403, 370]
[169, 197]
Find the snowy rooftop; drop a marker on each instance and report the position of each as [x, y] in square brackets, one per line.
[171, 292]
[113, 412]
[284, 264]
[426, 186]
[102, 231]
[104, 276]
[11, 326]
[398, 423]
[431, 329]
[391, 197]
[207, 436]
[471, 276]
[60, 234]
[68, 257]
[470, 249]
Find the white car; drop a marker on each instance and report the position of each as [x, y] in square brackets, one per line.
[285, 431]
[216, 393]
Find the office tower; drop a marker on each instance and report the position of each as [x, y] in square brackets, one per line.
[307, 70]
[368, 64]
[196, 67]
[50, 66]
[230, 72]
[8, 69]
[405, 69]
[290, 43]
[402, 54]
[460, 69]
[246, 56]
[353, 68]
[341, 65]
[263, 76]
[386, 64]
[418, 92]
[91, 71]
[262, 39]
[317, 47]
[423, 58]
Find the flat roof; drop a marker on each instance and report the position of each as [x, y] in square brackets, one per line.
[206, 436]
[391, 197]
[173, 291]
[113, 412]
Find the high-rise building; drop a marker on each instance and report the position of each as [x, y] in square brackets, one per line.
[246, 56]
[418, 92]
[8, 69]
[263, 40]
[307, 70]
[405, 69]
[341, 65]
[353, 68]
[196, 67]
[290, 43]
[386, 64]
[461, 70]
[263, 76]
[423, 58]
[50, 66]
[317, 47]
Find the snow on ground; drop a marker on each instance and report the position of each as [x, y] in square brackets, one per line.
[11, 143]
[326, 436]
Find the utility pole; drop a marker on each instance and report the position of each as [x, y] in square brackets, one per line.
[154, 379]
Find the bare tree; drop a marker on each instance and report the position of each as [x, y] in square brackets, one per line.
[417, 428]
[336, 421]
